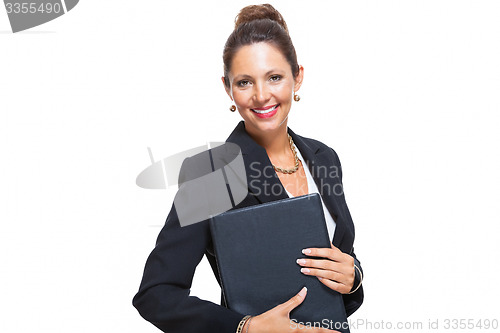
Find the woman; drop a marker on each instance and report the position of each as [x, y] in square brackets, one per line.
[262, 77]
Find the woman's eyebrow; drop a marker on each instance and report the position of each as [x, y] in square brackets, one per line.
[246, 76]
[242, 76]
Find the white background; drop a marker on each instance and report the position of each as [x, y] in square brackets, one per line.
[407, 93]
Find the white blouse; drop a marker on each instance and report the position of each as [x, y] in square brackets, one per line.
[312, 188]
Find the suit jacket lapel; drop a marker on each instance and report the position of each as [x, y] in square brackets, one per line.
[262, 180]
[323, 170]
[265, 185]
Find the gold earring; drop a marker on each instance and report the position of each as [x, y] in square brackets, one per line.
[296, 98]
[232, 108]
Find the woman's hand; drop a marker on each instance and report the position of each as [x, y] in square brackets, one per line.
[277, 320]
[336, 271]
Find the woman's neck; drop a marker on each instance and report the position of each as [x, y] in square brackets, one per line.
[275, 143]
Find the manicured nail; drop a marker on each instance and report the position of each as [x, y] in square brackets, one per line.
[303, 292]
[301, 261]
[305, 270]
[319, 278]
[306, 251]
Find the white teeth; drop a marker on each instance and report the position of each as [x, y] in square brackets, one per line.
[265, 111]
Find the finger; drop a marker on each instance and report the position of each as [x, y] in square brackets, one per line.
[321, 264]
[329, 265]
[339, 272]
[340, 276]
[293, 302]
[325, 274]
[333, 254]
[334, 285]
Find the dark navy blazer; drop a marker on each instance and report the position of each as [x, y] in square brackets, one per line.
[163, 297]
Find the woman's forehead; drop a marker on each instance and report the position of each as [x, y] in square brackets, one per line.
[258, 59]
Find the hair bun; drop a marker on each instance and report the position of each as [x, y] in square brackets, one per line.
[258, 12]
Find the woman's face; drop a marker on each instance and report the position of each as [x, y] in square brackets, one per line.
[261, 85]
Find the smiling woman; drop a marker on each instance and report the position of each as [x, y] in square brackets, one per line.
[261, 77]
[260, 93]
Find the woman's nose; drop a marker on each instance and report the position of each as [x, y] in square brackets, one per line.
[262, 93]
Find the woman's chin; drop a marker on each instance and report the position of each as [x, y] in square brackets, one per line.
[268, 126]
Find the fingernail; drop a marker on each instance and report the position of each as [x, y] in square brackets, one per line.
[306, 251]
[319, 278]
[303, 292]
[305, 270]
[301, 261]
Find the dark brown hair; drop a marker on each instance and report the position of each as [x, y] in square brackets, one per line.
[259, 23]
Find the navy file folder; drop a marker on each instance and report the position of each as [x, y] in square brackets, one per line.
[257, 248]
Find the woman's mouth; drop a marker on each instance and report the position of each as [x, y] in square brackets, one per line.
[266, 112]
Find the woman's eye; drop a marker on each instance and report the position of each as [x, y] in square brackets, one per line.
[243, 83]
[275, 78]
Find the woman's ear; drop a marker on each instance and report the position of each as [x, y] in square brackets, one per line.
[299, 79]
[228, 90]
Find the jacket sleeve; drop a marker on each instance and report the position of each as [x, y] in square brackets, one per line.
[164, 294]
[354, 300]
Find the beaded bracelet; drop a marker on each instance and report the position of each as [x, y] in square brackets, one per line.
[248, 326]
[242, 323]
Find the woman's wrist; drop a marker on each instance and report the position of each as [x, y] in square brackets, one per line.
[357, 272]
[244, 324]
[246, 327]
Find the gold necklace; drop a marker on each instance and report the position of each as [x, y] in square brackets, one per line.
[296, 167]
